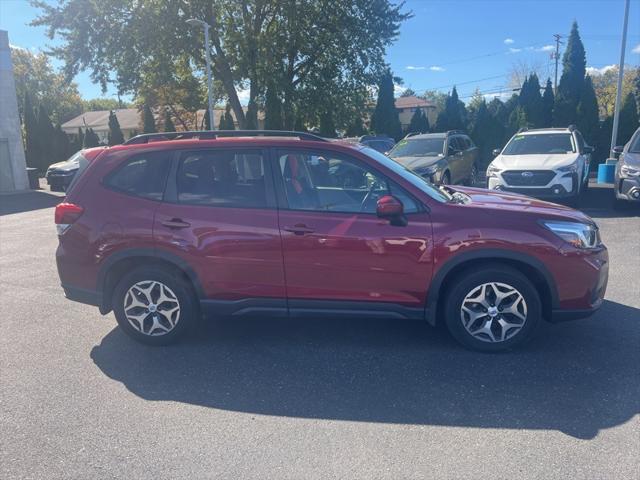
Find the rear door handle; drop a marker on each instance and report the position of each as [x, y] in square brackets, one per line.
[299, 229]
[176, 223]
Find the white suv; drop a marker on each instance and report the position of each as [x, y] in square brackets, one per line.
[551, 163]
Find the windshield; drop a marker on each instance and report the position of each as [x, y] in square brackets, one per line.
[413, 178]
[418, 147]
[544, 143]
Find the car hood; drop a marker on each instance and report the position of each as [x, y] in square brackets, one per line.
[417, 162]
[66, 165]
[493, 200]
[632, 159]
[534, 162]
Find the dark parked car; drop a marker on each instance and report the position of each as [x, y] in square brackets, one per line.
[442, 158]
[161, 232]
[627, 179]
[381, 143]
[60, 175]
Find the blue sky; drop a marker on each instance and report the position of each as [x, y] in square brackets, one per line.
[469, 43]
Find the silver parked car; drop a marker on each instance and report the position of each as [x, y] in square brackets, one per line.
[442, 158]
[627, 183]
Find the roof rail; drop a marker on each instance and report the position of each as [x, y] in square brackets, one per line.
[571, 128]
[412, 134]
[213, 134]
[522, 129]
[455, 132]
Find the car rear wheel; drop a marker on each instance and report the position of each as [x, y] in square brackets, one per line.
[492, 309]
[153, 306]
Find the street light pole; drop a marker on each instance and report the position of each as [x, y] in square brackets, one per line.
[616, 114]
[206, 26]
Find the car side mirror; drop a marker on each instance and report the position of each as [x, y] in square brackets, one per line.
[588, 149]
[390, 208]
[496, 152]
[618, 149]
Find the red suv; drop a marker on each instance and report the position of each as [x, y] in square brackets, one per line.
[171, 226]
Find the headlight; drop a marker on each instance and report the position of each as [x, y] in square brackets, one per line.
[569, 168]
[580, 235]
[492, 170]
[628, 171]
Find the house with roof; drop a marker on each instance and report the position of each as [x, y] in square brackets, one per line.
[406, 107]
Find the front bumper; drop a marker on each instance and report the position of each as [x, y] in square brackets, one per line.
[563, 185]
[628, 189]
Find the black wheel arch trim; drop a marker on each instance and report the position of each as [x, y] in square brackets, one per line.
[485, 254]
[152, 254]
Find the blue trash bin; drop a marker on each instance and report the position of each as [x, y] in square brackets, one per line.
[606, 172]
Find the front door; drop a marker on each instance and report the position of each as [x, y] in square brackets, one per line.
[336, 251]
[221, 218]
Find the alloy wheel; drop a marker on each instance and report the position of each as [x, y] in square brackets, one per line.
[493, 312]
[151, 308]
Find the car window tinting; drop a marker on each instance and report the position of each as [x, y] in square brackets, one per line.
[548, 143]
[417, 147]
[222, 179]
[323, 182]
[635, 145]
[144, 175]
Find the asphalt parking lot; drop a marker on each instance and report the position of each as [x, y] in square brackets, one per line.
[288, 399]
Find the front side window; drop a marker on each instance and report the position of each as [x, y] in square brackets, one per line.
[324, 181]
[222, 179]
[635, 144]
[143, 175]
[532, 144]
[418, 147]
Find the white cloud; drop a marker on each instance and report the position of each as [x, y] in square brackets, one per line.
[243, 96]
[17, 47]
[509, 41]
[398, 89]
[636, 49]
[412, 67]
[546, 48]
[502, 96]
[593, 71]
[514, 50]
[436, 68]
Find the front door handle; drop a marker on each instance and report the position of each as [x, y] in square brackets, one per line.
[298, 229]
[176, 223]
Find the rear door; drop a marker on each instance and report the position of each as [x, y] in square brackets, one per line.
[220, 217]
[456, 158]
[337, 252]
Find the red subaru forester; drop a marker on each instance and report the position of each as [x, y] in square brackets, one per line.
[170, 227]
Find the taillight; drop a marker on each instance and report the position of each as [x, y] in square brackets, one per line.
[66, 214]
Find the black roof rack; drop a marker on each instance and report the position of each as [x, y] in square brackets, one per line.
[456, 132]
[412, 134]
[213, 134]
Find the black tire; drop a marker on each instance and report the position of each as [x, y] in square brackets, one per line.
[181, 290]
[469, 281]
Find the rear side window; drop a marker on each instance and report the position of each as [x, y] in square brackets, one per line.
[83, 163]
[143, 175]
[222, 179]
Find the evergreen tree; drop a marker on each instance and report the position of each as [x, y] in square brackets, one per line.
[385, 118]
[207, 119]
[272, 109]
[453, 117]
[574, 66]
[588, 116]
[628, 122]
[226, 120]
[327, 125]
[531, 101]
[517, 121]
[32, 145]
[46, 139]
[415, 122]
[168, 123]
[115, 136]
[62, 145]
[91, 139]
[497, 110]
[547, 105]
[78, 144]
[355, 127]
[251, 117]
[148, 120]
[423, 126]
[487, 133]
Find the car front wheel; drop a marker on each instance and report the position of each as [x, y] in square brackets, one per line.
[492, 309]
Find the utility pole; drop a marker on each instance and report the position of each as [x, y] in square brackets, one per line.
[616, 113]
[556, 56]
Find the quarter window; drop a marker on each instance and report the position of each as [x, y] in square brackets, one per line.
[222, 179]
[325, 182]
[143, 175]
